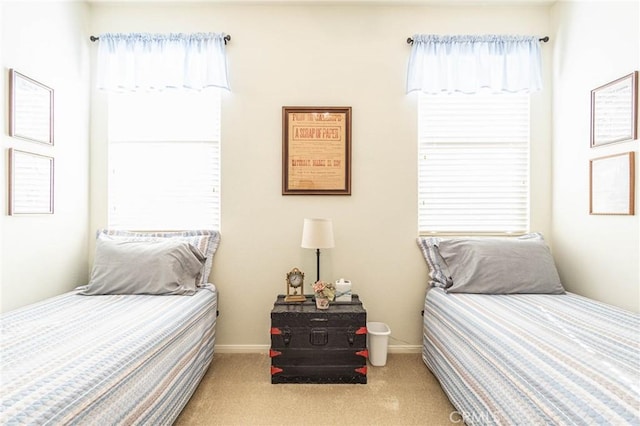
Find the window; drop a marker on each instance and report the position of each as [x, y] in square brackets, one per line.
[473, 167]
[164, 160]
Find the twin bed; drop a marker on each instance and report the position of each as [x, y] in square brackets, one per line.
[510, 346]
[128, 348]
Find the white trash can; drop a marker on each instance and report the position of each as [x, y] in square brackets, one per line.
[377, 342]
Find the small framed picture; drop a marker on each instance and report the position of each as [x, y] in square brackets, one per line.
[31, 109]
[611, 184]
[614, 109]
[316, 151]
[30, 183]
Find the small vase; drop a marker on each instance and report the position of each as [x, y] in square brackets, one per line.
[322, 302]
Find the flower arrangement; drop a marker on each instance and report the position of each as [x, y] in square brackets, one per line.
[324, 290]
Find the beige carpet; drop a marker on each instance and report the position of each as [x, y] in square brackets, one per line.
[237, 390]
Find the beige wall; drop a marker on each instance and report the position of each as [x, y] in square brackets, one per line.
[330, 55]
[45, 255]
[598, 256]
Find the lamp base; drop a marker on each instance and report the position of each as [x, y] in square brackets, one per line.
[295, 298]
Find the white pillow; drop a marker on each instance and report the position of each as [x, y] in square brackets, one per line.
[438, 270]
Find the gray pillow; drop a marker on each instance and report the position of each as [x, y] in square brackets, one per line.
[500, 266]
[167, 266]
[205, 240]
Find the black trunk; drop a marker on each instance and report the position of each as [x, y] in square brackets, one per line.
[310, 345]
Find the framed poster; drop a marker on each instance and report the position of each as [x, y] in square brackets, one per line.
[316, 150]
[31, 109]
[611, 184]
[30, 183]
[614, 109]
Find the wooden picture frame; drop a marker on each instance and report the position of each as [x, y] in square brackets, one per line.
[30, 183]
[614, 111]
[30, 109]
[316, 150]
[611, 184]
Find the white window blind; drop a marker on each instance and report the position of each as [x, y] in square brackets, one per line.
[473, 171]
[164, 160]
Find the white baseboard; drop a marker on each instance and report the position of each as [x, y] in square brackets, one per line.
[241, 349]
[249, 349]
[404, 349]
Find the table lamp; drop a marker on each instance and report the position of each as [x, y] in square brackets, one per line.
[317, 234]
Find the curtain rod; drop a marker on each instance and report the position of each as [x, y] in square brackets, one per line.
[227, 38]
[543, 39]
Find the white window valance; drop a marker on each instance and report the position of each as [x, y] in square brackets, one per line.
[142, 61]
[470, 63]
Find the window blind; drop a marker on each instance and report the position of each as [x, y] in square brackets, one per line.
[473, 171]
[164, 160]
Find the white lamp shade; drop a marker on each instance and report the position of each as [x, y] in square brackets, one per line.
[317, 234]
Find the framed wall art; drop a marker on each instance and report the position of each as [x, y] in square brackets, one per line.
[611, 184]
[614, 111]
[316, 150]
[30, 183]
[31, 109]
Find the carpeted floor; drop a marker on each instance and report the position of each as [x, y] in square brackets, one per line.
[237, 390]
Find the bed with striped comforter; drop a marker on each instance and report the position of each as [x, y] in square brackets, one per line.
[530, 359]
[104, 360]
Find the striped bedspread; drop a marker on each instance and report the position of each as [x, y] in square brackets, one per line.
[534, 359]
[104, 360]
